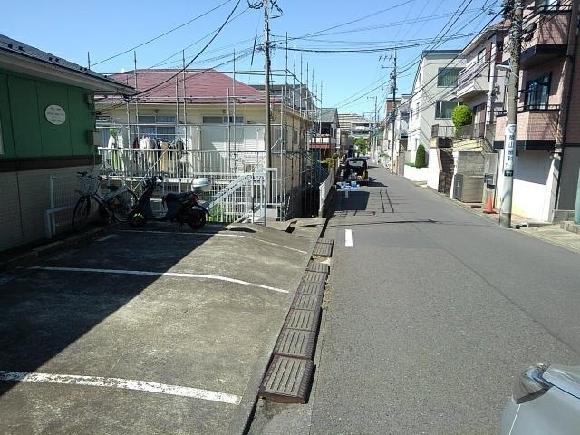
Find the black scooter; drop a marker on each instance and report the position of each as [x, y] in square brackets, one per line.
[183, 208]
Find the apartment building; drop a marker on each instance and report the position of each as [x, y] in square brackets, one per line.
[548, 136]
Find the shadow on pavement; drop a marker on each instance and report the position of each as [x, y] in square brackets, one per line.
[45, 311]
[357, 200]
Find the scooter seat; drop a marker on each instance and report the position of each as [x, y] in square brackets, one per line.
[177, 196]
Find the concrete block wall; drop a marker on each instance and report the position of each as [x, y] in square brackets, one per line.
[434, 169]
[468, 162]
[25, 196]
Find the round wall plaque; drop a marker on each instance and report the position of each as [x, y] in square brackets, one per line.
[55, 114]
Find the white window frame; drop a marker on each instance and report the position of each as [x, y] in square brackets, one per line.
[224, 119]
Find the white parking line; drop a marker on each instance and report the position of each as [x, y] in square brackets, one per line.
[123, 384]
[110, 236]
[348, 240]
[145, 273]
[237, 236]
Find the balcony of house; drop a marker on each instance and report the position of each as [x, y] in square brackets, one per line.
[404, 128]
[442, 131]
[545, 34]
[538, 127]
[323, 142]
[471, 131]
[473, 80]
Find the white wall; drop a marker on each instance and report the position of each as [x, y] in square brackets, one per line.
[415, 174]
[434, 169]
[535, 180]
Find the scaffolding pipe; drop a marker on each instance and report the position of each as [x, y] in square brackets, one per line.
[137, 89]
[184, 94]
[235, 116]
[228, 124]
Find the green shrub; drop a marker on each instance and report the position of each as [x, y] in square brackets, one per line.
[461, 116]
[420, 158]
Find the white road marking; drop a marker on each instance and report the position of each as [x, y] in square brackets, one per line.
[110, 236]
[348, 240]
[124, 384]
[237, 236]
[145, 273]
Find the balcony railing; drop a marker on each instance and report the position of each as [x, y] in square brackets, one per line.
[543, 107]
[533, 125]
[471, 131]
[473, 79]
[132, 163]
[545, 35]
[323, 142]
[442, 131]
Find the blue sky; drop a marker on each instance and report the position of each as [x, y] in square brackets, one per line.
[70, 29]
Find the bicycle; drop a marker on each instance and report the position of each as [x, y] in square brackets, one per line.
[114, 206]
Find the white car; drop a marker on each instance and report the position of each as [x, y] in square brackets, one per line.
[546, 400]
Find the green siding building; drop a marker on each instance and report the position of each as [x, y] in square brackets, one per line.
[47, 121]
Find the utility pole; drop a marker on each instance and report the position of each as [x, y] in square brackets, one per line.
[513, 11]
[375, 129]
[267, 135]
[393, 113]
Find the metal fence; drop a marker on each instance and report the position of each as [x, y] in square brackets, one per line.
[176, 164]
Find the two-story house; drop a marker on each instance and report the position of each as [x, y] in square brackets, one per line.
[324, 136]
[432, 98]
[187, 124]
[481, 86]
[548, 133]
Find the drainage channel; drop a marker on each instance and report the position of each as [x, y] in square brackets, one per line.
[290, 373]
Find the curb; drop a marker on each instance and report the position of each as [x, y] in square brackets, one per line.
[490, 219]
[243, 418]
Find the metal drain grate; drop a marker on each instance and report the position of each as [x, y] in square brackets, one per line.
[304, 320]
[314, 277]
[315, 266]
[287, 380]
[322, 250]
[307, 302]
[309, 288]
[295, 343]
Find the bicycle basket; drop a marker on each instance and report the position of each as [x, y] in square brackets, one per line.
[89, 184]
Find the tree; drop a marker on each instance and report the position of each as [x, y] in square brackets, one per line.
[461, 116]
[420, 158]
[362, 145]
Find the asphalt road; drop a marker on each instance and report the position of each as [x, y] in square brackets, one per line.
[432, 312]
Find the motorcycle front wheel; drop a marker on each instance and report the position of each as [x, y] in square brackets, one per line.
[196, 219]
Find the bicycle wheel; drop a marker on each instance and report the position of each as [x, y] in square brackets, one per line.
[81, 213]
[121, 205]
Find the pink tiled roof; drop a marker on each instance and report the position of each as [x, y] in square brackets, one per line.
[200, 85]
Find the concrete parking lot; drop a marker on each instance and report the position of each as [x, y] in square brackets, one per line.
[153, 331]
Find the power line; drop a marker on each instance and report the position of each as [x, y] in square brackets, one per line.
[218, 31]
[435, 77]
[161, 35]
[187, 47]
